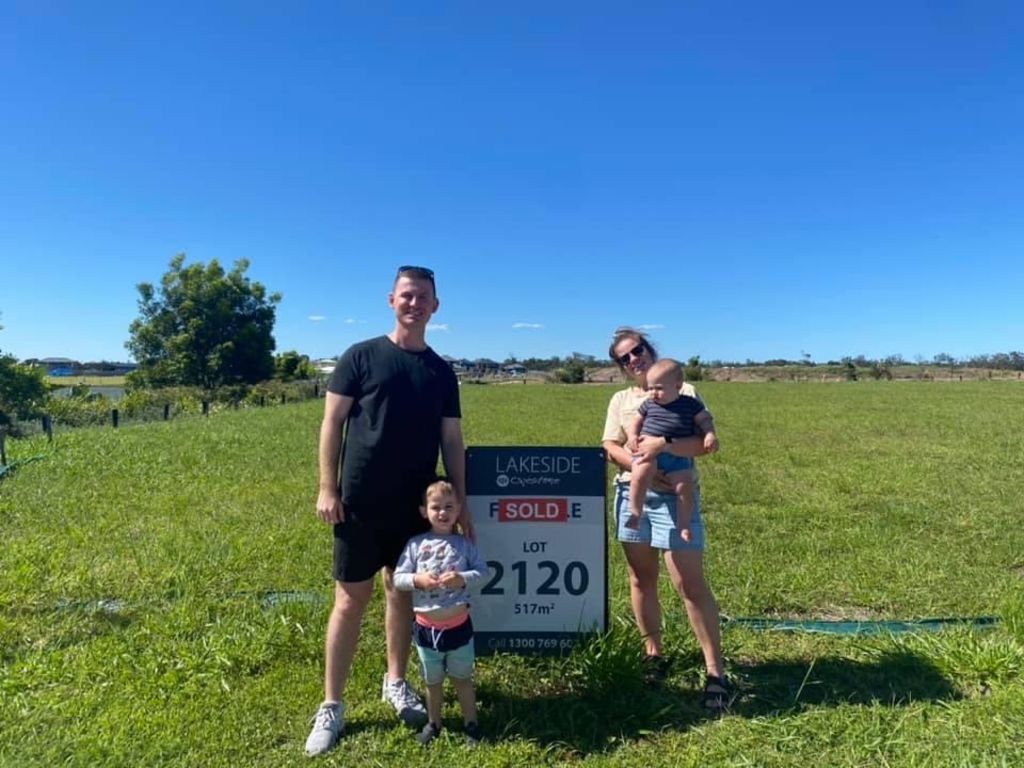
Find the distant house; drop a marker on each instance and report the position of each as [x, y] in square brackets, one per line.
[325, 365]
[59, 366]
[514, 369]
[458, 365]
[484, 366]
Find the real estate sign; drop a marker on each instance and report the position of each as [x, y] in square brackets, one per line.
[539, 515]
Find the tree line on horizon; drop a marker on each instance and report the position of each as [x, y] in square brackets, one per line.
[207, 327]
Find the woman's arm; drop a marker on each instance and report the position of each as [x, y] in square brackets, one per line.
[613, 438]
[651, 446]
[618, 455]
[633, 431]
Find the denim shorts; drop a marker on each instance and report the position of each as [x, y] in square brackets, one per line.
[456, 658]
[658, 524]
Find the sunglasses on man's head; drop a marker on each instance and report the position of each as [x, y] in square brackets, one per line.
[636, 351]
[420, 272]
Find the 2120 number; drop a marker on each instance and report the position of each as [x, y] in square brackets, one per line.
[575, 579]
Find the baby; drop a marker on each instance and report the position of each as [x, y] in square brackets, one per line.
[669, 415]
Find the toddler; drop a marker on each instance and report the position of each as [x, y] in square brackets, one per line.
[437, 567]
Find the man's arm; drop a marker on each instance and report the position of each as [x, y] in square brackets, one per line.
[328, 503]
[453, 454]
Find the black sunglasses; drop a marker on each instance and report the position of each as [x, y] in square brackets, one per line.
[636, 351]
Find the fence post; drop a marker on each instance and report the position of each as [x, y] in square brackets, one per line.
[114, 415]
[3, 451]
[206, 407]
[316, 389]
[48, 426]
[167, 411]
[283, 398]
[263, 400]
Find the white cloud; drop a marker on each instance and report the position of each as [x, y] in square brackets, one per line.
[532, 326]
[317, 318]
[350, 321]
[437, 327]
[650, 326]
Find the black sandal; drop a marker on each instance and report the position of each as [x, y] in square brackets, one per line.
[718, 694]
[655, 669]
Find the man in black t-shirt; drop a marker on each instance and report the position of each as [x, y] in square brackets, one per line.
[398, 403]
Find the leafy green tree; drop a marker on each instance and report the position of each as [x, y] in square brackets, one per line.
[291, 366]
[693, 371]
[203, 327]
[573, 372]
[23, 391]
[880, 371]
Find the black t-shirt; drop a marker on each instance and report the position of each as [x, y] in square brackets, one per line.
[393, 432]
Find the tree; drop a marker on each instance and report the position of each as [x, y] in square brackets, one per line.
[693, 371]
[849, 369]
[22, 391]
[573, 372]
[290, 365]
[203, 327]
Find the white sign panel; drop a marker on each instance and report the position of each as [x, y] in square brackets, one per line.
[539, 515]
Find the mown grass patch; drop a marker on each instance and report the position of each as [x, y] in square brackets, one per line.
[136, 563]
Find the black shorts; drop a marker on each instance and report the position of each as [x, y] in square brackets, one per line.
[362, 548]
[443, 640]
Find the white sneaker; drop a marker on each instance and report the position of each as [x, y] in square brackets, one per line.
[407, 703]
[328, 725]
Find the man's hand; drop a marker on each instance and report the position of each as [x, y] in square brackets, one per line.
[466, 520]
[329, 507]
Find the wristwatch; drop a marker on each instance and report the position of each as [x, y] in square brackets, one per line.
[668, 439]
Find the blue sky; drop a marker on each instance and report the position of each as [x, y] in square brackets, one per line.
[748, 179]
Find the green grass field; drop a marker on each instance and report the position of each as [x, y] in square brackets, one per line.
[134, 563]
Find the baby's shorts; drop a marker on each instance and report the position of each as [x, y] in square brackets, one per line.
[667, 462]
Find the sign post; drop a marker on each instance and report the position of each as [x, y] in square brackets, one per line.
[539, 515]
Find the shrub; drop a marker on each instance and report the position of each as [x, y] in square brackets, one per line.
[573, 372]
[693, 371]
[22, 391]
